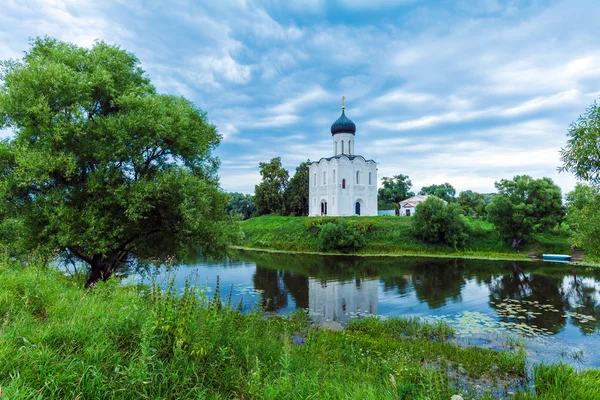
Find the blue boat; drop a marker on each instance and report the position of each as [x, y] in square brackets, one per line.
[556, 257]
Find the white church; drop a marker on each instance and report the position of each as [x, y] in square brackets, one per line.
[344, 184]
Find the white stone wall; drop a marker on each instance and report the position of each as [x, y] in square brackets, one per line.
[342, 201]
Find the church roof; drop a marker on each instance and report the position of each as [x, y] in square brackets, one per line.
[343, 125]
[348, 156]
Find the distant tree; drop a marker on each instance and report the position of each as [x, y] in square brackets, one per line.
[394, 190]
[437, 222]
[581, 156]
[102, 168]
[524, 204]
[444, 191]
[471, 202]
[269, 194]
[583, 216]
[241, 204]
[296, 194]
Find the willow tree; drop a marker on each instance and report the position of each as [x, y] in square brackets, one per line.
[102, 167]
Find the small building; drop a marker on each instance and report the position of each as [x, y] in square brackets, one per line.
[408, 206]
[344, 184]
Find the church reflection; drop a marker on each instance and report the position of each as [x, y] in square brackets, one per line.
[548, 297]
[341, 301]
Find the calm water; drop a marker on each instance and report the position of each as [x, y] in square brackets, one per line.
[554, 308]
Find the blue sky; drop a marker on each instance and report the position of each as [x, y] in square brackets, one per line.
[465, 92]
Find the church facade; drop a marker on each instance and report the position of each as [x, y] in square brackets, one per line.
[344, 184]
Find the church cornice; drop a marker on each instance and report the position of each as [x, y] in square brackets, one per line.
[346, 156]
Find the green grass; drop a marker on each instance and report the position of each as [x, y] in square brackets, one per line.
[58, 340]
[391, 235]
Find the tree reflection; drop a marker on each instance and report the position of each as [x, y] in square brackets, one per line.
[437, 282]
[275, 294]
[540, 297]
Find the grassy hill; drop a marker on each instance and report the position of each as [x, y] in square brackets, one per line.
[391, 235]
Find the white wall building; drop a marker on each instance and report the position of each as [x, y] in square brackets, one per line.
[409, 206]
[346, 183]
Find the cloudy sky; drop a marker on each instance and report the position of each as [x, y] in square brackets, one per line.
[459, 91]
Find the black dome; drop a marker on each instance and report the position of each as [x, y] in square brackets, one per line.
[343, 125]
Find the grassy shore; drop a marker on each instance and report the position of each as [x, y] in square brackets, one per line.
[58, 340]
[391, 236]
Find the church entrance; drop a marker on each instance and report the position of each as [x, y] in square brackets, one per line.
[357, 208]
[323, 207]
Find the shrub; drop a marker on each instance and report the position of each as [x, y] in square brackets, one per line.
[340, 236]
[436, 222]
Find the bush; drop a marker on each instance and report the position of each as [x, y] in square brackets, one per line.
[340, 236]
[436, 222]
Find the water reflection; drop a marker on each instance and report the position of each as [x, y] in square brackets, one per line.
[341, 301]
[532, 299]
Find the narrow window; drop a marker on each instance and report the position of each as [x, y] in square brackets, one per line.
[342, 147]
[315, 180]
[333, 201]
[350, 147]
[357, 182]
[324, 178]
[336, 148]
[370, 179]
[343, 184]
[334, 176]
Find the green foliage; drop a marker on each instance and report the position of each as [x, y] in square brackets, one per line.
[393, 190]
[436, 222]
[561, 381]
[583, 217]
[341, 236]
[472, 202]
[524, 205]
[444, 191]
[269, 194]
[61, 341]
[581, 156]
[102, 168]
[392, 235]
[296, 193]
[241, 204]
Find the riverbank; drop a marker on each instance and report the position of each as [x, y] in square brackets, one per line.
[58, 340]
[390, 236]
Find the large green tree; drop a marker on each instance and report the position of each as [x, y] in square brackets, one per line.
[102, 167]
[581, 156]
[393, 190]
[471, 202]
[437, 222]
[241, 204]
[296, 193]
[445, 191]
[524, 204]
[583, 216]
[269, 194]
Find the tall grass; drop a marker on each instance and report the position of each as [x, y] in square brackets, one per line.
[60, 341]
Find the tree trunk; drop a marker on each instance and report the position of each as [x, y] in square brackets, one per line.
[515, 242]
[100, 269]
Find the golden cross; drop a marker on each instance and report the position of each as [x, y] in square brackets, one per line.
[343, 98]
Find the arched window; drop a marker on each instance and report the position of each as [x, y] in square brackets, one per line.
[350, 147]
[370, 183]
[324, 178]
[336, 148]
[315, 180]
[357, 182]
[334, 176]
[342, 147]
[343, 184]
[333, 201]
